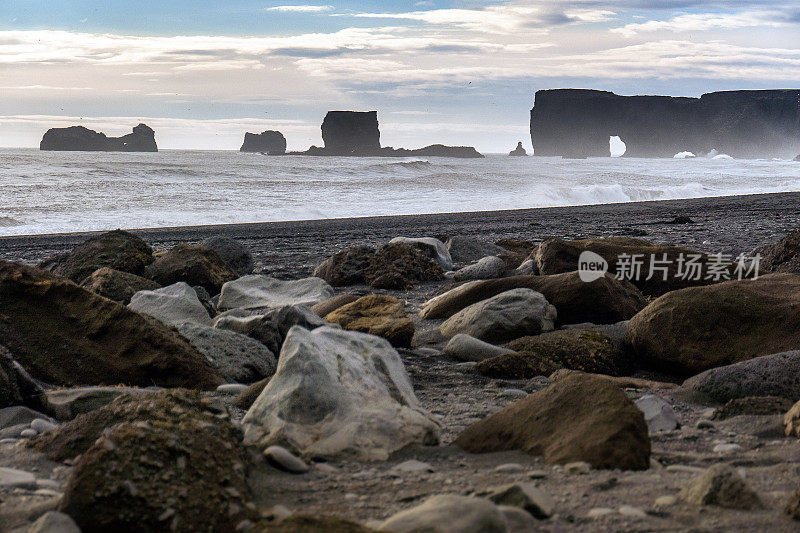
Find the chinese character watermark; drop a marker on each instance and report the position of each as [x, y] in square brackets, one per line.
[683, 266]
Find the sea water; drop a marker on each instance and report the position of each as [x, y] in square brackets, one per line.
[53, 192]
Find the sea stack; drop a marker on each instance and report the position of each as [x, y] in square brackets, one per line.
[797, 158]
[78, 138]
[742, 124]
[351, 133]
[518, 151]
[269, 142]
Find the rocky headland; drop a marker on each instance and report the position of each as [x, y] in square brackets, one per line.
[268, 142]
[79, 138]
[422, 378]
[742, 124]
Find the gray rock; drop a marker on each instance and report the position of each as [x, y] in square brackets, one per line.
[173, 305]
[487, 268]
[238, 358]
[525, 496]
[509, 315]
[232, 252]
[463, 347]
[529, 267]
[264, 292]
[433, 248]
[271, 327]
[28, 433]
[54, 522]
[631, 511]
[43, 426]
[283, 459]
[11, 478]
[337, 394]
[19, 414]
[411, 466]
[465, 249]
[232, 388]
[448, 514]
[15, 431]
[66, 404]
[768, 375]
[723, 486]
[658, 414]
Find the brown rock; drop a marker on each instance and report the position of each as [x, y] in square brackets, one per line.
[515, 366]
[16, 386]
[376, 314]
[246, 399]
[791, 421]
[621, 382]
[398, 266]
[753, 405]
[332, 304]
[792, 507]
[580, 418]
[603, 301]
[721, 485]
[783, 256]
[117, 285]
[117, 249]
[700, 328]
[66, 335]
[346, 267]
[192, 264]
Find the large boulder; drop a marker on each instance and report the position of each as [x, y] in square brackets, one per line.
[66, 335]
[194, 265]
[555, 256]
[723, 486]
[509, 315]
[379, 315]
[336, 394]
[330, 305]
[182, 473]
[579, 418]
[270, 327]
[16, 386]
[698, 328]
[232, 252]
[782, 256]
[346, 267]
[586, 350]
[464, 249]
[768, 375]
[237, 357]
[487, 268]
[603, 301]
[446, 513]
[173, 305]
[117, 285]
[399, 265]
[117, 249]
[433, 248]
[263, 292]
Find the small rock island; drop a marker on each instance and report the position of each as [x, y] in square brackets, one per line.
[518, 151]
[79, 138]
[268, 142]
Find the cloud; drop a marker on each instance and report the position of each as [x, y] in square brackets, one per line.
[300, 9]
[707, 21]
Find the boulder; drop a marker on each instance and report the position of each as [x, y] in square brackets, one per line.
[464, 249]
[379, 315]
[232, 252]
[603, 301]
[117, 285]
[258, 327]
[173, 305]
[433, 248]
[586, 350]
[66, 404]
[658, 414]
[263, 292]
[346, 267]
[17, 387]
[699, 328]
[182, 473]
[194, 265]
[621, 382]
[330, 305]
[66, 335]
[269, 142]
[447, 513]
[555, 256]
[753, 406]
[336, 394]
[774, 374]
[117, 249]
[509, 315]
[579, 418]
[791, 421]
[721, 485]
[237, 357]
[518, 151]
[487, 268]
[525, 496]
[142, 139]
[54, 522]
[462, 347]
[782, 256]
[399, 266]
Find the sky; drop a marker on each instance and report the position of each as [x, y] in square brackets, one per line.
[462, 72]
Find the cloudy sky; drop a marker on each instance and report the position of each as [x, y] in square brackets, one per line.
[459, 72]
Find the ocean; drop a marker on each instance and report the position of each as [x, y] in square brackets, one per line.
[55, 192]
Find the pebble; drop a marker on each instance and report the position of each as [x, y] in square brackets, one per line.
[276, 513]
[537, 474]
[708, 413]
[727, 447]
[283, 459]
[577, 468]
[685, 469]
[28, 433]
[325, 468]
[49, 492]
[11, 478]
[666, 501]
[427, 352]
[231, 388]
[8, 441]
[509, 468]
[43, 426]
[597, 512]
[704, 423]
[48, 484]
[469, 365]
[513, 393]
[629, 510]
[411, 466]
[54, 522]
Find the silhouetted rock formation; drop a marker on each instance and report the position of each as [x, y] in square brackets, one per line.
[354, 133]
[797, 158]
[270, 142]
[79, 138]
[743, 124]
[518, 151]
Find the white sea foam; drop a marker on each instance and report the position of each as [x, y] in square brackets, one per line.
[48, 192]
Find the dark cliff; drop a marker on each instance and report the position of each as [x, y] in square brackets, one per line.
[79, 138]
[743, 124]
[271, 142]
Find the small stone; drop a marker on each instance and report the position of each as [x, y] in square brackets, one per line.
[509, 468]
[525, 496]
[634, 512]
[11, 478]
[276, 513]
[28, 433]
[232, 388]
[598, 512]
[50, 493]
[708, 413]
[325, 468]
[537, 474]
[727, 447]
[685, 469]
[513, 393]
[54, 522]
[469, 365]
[18, 414]
[283, 459]
[48, 484]
[412, 466]
[723, 486]
[658, 414]
[577, 468]
[704, 423]
[43, 426]
[666, 501]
